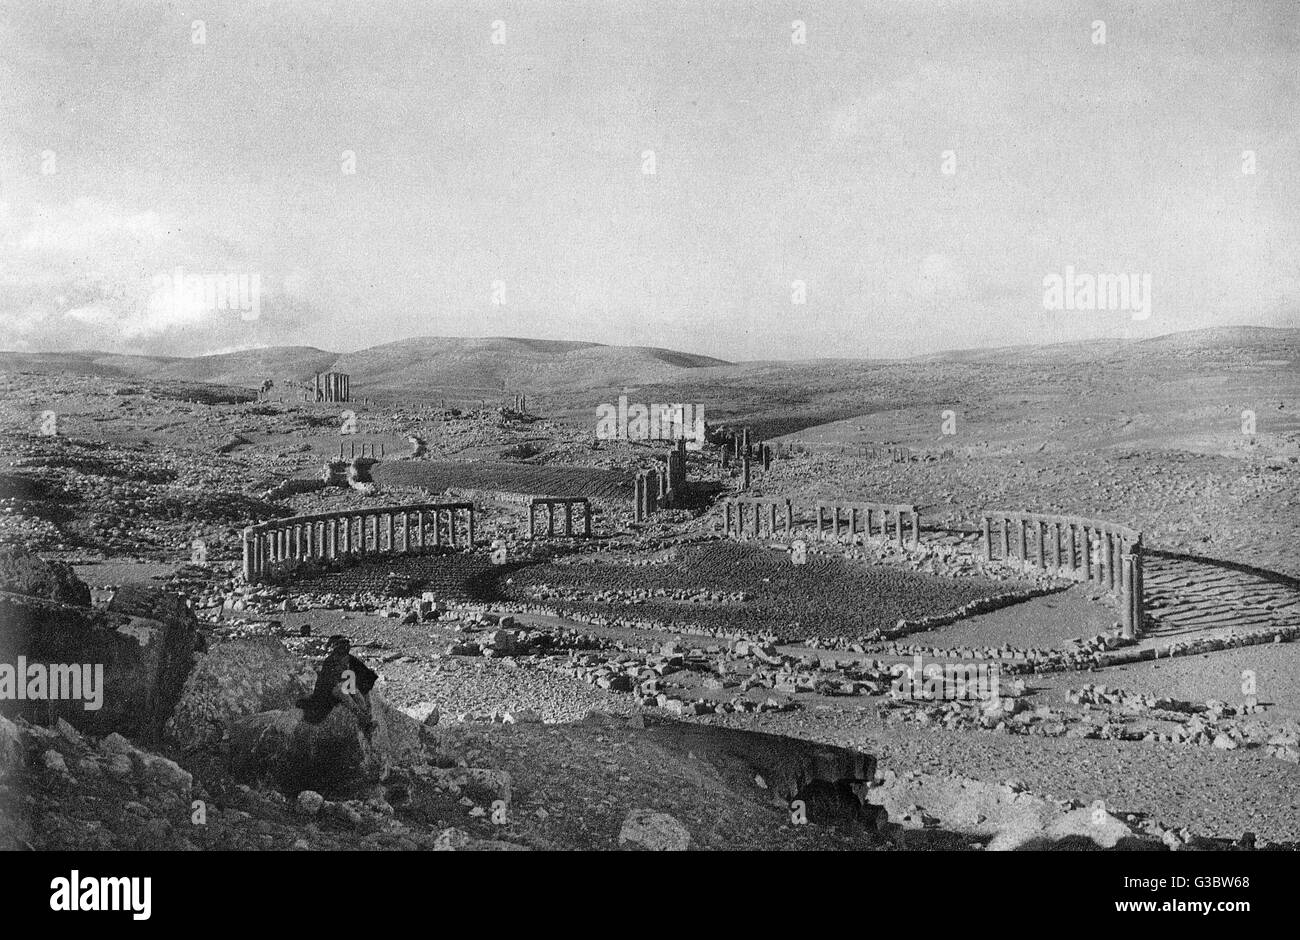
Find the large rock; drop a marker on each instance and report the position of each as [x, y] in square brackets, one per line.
[648, 831]
[334, 757]
[21, 573]
[143, 660]
[11, 747]
[231, 681]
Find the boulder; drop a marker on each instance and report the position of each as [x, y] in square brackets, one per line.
[335, 757]
[233, 680]
[142, 648]
[283, 750]
[11, 747]
[647, 831]
[21, 573]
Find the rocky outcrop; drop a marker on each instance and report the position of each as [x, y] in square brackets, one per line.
[21, 573]
[231, 681]
[129, 661]
[334, 757]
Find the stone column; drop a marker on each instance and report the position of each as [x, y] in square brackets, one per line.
[586, 520]
[744, 469]
[388, 527]
[1072, 551]
[1006, 538]
[726, 518]
[1024, 549]
[789, 516]
[469, 510]
[250, 560]
[916, 528]
[1126, 594]
[1056, 545]
[1139, 602]
[988, 535]
[451, 528]
[1108, 549]
[771, 518]
[820, 506]
[568, 520]
[1042, 544]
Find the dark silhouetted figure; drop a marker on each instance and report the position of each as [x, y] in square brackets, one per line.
[342, 679]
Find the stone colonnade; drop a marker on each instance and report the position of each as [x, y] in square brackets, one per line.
[777, 511]
[898, 513]
[647, 493]
[550, 503]
[384, 530]
[1073, 547]
[333, 386]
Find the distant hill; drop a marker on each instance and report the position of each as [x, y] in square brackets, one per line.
[420, 364]
[572, 372]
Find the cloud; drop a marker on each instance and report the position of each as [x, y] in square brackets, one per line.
[89, 275]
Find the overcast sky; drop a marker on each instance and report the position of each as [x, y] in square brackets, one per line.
[516, 171]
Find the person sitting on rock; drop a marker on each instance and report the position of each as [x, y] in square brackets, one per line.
[342, 679]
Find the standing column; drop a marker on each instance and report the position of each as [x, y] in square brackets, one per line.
[1139, 604]
[988, 535]
[388, 527]
[469, 510]
[1073, 550]
[1126, 594]
[1024, 551]
[437, 526]
[1108, 559]
[586, 520]
[744, 470]
[789, 516]
[771, 519]
[1056, 545]
[1113, 547]
[916, 528]
[726, 518]
[451, 527]
[568, 520]
[1006, 538]
[1042, 544]
[250, 562]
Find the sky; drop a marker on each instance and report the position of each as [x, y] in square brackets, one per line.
[829, 179]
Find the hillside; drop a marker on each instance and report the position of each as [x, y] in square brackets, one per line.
[470, 365]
